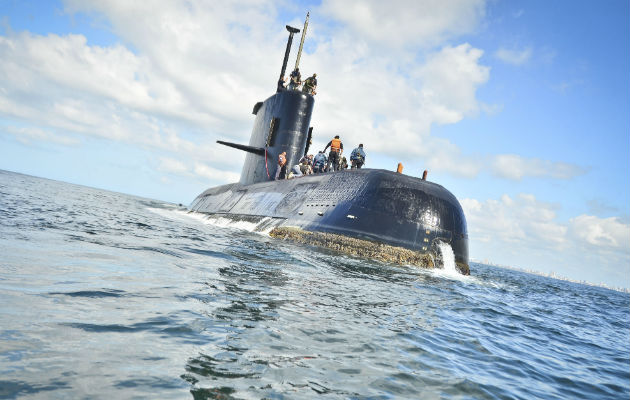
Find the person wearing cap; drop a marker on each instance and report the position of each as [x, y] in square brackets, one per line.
[357, 157]
[343, 164]
[295, 79]
[319, 162]
[305, 165]
[336, 148]
[281, 170]
[310, 84]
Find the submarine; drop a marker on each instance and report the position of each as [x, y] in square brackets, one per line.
[370, 213]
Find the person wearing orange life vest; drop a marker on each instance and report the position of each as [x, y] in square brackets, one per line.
[336, 148]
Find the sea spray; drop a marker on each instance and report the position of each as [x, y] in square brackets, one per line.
[448, 257]
[262, 225]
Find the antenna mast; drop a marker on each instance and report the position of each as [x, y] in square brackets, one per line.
[297, 60]
[286, 55]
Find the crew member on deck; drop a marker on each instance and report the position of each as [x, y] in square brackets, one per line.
[357, 157]
[343, 164]
[319, 162]
[281, 171]
[310, 84]
[295, 79]
[281, 83]
[305, 166]
[296, 172]
[336, 148]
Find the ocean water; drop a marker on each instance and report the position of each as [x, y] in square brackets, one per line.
[106, 295]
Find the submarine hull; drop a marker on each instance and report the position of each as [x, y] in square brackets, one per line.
[369, 204]
[373, 207]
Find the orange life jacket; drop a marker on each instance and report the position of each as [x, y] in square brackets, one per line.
[281, 160]
[335, 145]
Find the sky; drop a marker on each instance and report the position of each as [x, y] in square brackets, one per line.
[520, 108]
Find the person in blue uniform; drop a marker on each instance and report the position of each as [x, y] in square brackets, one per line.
[357, 157]
[319, 162]
[295, 79]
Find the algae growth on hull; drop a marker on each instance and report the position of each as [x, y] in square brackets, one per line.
[361, 248]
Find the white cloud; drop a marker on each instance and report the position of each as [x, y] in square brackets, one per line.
[196, 169]
[32, 135]
[441, 155]
[525, 232]
[514, 57]
[204, 51]
[515, 167]
[450, 80]
[410, 22]
[516, 221]
[214, 174]
[598, 233]
[172, 166]
[63, 84]
[395, 113]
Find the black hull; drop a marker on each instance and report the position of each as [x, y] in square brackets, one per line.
[376, 205]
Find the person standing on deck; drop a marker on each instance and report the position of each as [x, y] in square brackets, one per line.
[336, 148]
[357, 157]
[281, 171]
[319, 162]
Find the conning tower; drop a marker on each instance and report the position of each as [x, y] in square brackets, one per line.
[282, 124]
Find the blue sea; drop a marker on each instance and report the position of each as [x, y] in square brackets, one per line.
[109, 296]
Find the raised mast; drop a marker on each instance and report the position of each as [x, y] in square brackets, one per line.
[286, 56]
[297, 60]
